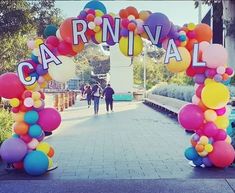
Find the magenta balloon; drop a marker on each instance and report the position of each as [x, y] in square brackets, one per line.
[52, 40]
[221, 111]
[159, 19]
[210, 129]
[49, 119]
[191, 117]
[10, 86]
[221, 135]
[13, 150]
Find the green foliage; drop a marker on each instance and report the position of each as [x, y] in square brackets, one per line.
[5, 125]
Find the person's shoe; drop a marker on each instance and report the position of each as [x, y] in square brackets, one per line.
[107, 112]
[88, 106]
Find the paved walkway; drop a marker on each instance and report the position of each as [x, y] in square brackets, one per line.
[134, 142]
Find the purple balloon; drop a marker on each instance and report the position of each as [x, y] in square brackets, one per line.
[199, 78]
[158, 19]
[13, 150]
[172, 31]
[124, 32]
[210, 72]
[218, 78]
[41, 137]
[207, 162]
[83, 14]
[40, 70]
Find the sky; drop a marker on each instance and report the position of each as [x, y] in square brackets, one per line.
[179, 12]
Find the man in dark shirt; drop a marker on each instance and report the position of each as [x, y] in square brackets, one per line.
[108, 94]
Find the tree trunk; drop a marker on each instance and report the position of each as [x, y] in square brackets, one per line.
[229, 15]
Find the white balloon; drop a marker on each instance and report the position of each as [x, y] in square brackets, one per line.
[64, 71]
[58, 34]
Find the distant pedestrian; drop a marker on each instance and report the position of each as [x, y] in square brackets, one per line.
[88, 92]
[108, 94]
[96, 94]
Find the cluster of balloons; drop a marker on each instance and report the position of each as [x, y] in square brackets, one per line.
[26, 149]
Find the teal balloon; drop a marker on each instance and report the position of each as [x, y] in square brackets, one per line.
[35, 131]
[227, 82]
[31, 117]
[36, 163]
[15, 136]
[191, 154]
[50, 30]
[96, 5]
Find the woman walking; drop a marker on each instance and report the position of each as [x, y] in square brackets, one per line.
[96, 93]
[88, 92]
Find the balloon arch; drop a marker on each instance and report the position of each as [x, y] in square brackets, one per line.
[188, 49]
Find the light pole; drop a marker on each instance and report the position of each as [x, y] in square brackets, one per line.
[199, 11]
[144, 63]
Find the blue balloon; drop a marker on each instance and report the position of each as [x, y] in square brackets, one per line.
[50, 30]
[34, 58]
[96, 5]
[182, 38]
[35, 131]
[31, 117]
[35, 74]
[191, 154]
[36, 163]
[198, 161]
[15, 135]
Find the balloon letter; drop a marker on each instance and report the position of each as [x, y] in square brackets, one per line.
[107, 27]
[76, 33]
[195, 57]
[156, 38]
[47, 56]
[169, 54]
[21, 74]
[131, 43]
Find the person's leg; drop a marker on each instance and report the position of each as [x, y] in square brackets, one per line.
[98, 103]
[95, 105]
[107, 105]
[111, 104]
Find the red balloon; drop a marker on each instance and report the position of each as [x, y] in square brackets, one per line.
[10, 86]
[64, 48]
[123, 13]
[132, 11]
[49, 119]
[222, 155]
[52, 40]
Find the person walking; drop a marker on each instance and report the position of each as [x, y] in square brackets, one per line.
[96, 93]
[88, 92]
[108, 94]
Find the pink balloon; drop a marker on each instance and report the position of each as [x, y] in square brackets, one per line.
[210, 129]
[49, 119]
[203, 45]
[10, 86]
[52, 40]
[220, 135]
[222, 155]
[31, 44]
[215, 55]
[191, 117]
[221, 111]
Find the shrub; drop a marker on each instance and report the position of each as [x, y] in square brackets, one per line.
[6, 122]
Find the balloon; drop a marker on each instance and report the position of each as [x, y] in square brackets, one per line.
[43, 147]
[138, 45]
[67, 68]
[132, 11]
[10, 86]
[50, 165]
[144, 15]
[229, 71]
[199, 78]
[18, 117]
[199, 148]
[210, 129]
[215, 95]
[13, 150]
[96, 5]
[41, 137]
[52, 40]
[191, 154]
[49, 119]
[220, 70]
[64, 48]
[210, 115]
[221, 111]
[222, 155]
[206, 161]
[26, 138]
[15, 102]
[36, 163]
[204, 140]
[31, 117]
[123, 13]
[198, 161]
[31, 44]
[35, 131]
[203, 32]
[179, 66]
[20, 128]
[158, 19]
[50, 30]
[190, 44]
[66, 30]
[208, 148]
[215, 55]
[33, 144]
[221, 135]
[190, 117]
[195, 100]
[51, 152]
[222, 122]
[28, 102]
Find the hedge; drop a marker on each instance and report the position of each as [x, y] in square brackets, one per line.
[6, 122]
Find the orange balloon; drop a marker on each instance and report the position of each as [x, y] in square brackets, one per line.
[144, 15]
[203, 32]
[202, 106]
[20, 128]
[47, 77]
[123, 13]
[51, 152]
[78, 48]
[194, 143]
[131, 27]
[132, 11]
[199, 148]
[90, 17]
[225, 77]
[190, 44]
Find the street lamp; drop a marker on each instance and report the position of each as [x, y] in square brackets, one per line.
[199, 11]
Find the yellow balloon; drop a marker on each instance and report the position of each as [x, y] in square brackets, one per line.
[183, 44]
[37, 103]
[50, 163]
[191, 26]
[43, 85]
[138, 45]
[208, 148]
[215, 95]
[210, 115]
[15, 102]
[36, 95]
[97, 29]
[222, 122]
[203, 154]
[204, 140]
[208, 81]
[98, 13]
[144, 15]
[18, 117]
[98, 36]
[44, 147]
[38, 41]
[175, 66]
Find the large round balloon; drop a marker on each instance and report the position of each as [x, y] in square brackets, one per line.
[96, 5]
[191, 117]
[158, 19]
[64, 71]
[175, 66]
[215, 95]
[36, 163]
[203, 32]
[10, 86]
[49, 119]
[50, 30]
[138, 45]
[222, 155]
[13, 150]
[215, 55]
